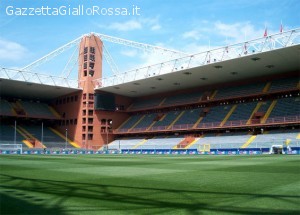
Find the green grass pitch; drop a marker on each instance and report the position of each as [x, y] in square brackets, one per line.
[125, 184]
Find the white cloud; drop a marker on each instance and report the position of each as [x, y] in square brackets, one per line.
[156, 27]
[126, 26]
[135, 24]
[11, 51]
[129, 53]
[238, 32]
[152, 23]
[193, 34]
[222, 34]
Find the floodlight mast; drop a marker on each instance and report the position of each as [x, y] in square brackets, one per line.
[109, 59]
[51, 55]
[142, 46]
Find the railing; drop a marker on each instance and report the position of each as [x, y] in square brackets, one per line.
[260, 45]
[207, 125]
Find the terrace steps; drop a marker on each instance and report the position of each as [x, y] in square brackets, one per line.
[76, 145]
[266, 116]
[192, 143]
[124, 122]
[26, 142]
[162, 102]
[248, 142]
[130, 106]
[228, 115]
[18, 108]
[54, 112]
[267, 87]
[259, 104]
[177, 118]
[140, 143]
[287, 142]
[155, 121]
[150, 126]
[198, 121]
[37, 143]
[135, 124]
[185, 143]
[214, 93]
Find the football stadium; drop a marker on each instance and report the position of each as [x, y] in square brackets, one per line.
[152, 140]
[213, 132]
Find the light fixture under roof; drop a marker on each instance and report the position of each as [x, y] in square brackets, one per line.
[136, 83]
[255, 58]
[153, 88]
[218, 67]
[233, 73]
[176, 84]
[117, 88]
[187, 73]
[203, 78]
[270, 66]
[159, 79]
[133, 91]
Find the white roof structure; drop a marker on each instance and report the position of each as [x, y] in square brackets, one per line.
[255, 58]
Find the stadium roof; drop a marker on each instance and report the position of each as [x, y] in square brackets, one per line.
[21, 89]
[253, 66]
[271, 55]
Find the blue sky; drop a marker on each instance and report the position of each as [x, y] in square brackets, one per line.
[190, 26]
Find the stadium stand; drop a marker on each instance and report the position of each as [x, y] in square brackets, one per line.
[7, 135]
[166, 119]
[160, 143]
[286, 107]
[184, 98]
[125, 143]
[214, 140]
[38, 110]
[240, 91]
[50, 139]
[284, 84]
[144, 122]
[279, 137]
[189, 117]
[6, 108]
[132, 120]
[144, 104]
[241, 114]
[215, 116]
[223, 141]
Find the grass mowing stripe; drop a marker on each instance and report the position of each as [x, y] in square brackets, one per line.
[125, 184]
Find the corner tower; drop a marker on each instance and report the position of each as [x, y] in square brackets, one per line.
[90, 69]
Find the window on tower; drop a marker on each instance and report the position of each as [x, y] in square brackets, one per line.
[85, 50]
[92, 57]
[92, 50]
